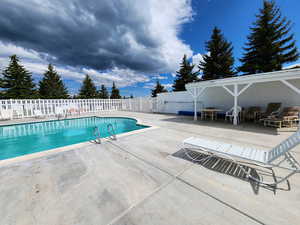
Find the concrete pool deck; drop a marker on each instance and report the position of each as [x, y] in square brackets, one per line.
[137, 180]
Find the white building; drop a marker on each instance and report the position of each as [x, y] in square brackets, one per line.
[249, 90]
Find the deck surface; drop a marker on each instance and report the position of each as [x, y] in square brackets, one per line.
[139, 179]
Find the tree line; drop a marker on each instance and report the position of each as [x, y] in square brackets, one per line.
[269, 46]
[17, 83]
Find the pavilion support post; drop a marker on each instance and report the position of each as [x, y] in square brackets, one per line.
[195, 108]
[195, 92]
[236, 93]
[235, 113]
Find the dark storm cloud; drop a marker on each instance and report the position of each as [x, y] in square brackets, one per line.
[100, 34]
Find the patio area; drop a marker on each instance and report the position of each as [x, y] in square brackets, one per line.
[142, 179]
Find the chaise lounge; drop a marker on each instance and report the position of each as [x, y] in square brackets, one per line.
[272, 110]
[246, 155]
[289, 117]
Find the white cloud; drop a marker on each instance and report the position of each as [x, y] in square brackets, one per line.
[7, 49]
[196, 59]
[173, 74]
[151, 85]
[101, 33]
[149, 42]
[122, 77]
[33, 62]
[168, 86]
[166, 27]
[159, 77]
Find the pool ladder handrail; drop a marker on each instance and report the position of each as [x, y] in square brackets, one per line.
[111, 131]
[97, 135]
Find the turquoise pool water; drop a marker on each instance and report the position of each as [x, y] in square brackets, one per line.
[22, 139]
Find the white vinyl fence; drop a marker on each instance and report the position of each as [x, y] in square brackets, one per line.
[48, 107]
[26, 107]
[142, 104]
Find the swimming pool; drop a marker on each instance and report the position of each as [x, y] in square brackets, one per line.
[22, 139]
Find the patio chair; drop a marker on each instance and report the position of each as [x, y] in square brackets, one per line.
[272, 110]
[38, 113]
[229, 114]
[289, 117]
[249, 155]
[252, 113]
[18, 111]
[6, 114]
[60, 112]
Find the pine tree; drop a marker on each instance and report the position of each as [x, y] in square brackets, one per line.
[51, 86]
[184, 75]
[269, 44]
[158, 89]
[1, 86]
[219, 62]
[17, 81]
[131, 96]
[115, 92]
[103, 93]
[88, 88]
[1, 91]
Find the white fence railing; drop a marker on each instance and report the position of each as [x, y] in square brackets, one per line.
[28, 107]
[143, 104]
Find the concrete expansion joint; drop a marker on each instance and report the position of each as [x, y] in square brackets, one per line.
[173, 178]
[159, 188]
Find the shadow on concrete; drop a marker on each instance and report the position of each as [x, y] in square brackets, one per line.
[227, 167]
[245, 126]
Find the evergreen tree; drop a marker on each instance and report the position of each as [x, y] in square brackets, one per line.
[184, 75]
[158, 89]
[51, 86]
[1, 91]
[131, 96]
[103, 93]
[17, 81]
[219, 62]
[269, 44]
[115, 92]
[88, 88]
[1, 86]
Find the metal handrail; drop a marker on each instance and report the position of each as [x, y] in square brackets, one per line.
[97, 135]
[111, 131]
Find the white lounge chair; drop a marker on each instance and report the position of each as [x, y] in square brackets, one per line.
[246, 155]
[18, 111]
[6, 114]
[38, 113]
[60, 112]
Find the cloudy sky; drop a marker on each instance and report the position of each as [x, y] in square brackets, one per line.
[130, 42]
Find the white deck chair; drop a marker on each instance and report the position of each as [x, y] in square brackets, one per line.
[73, 109]
[6, 114]
[18, 111]
[60, 112]
[246, 155]
[230, 114]
[38, 113]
